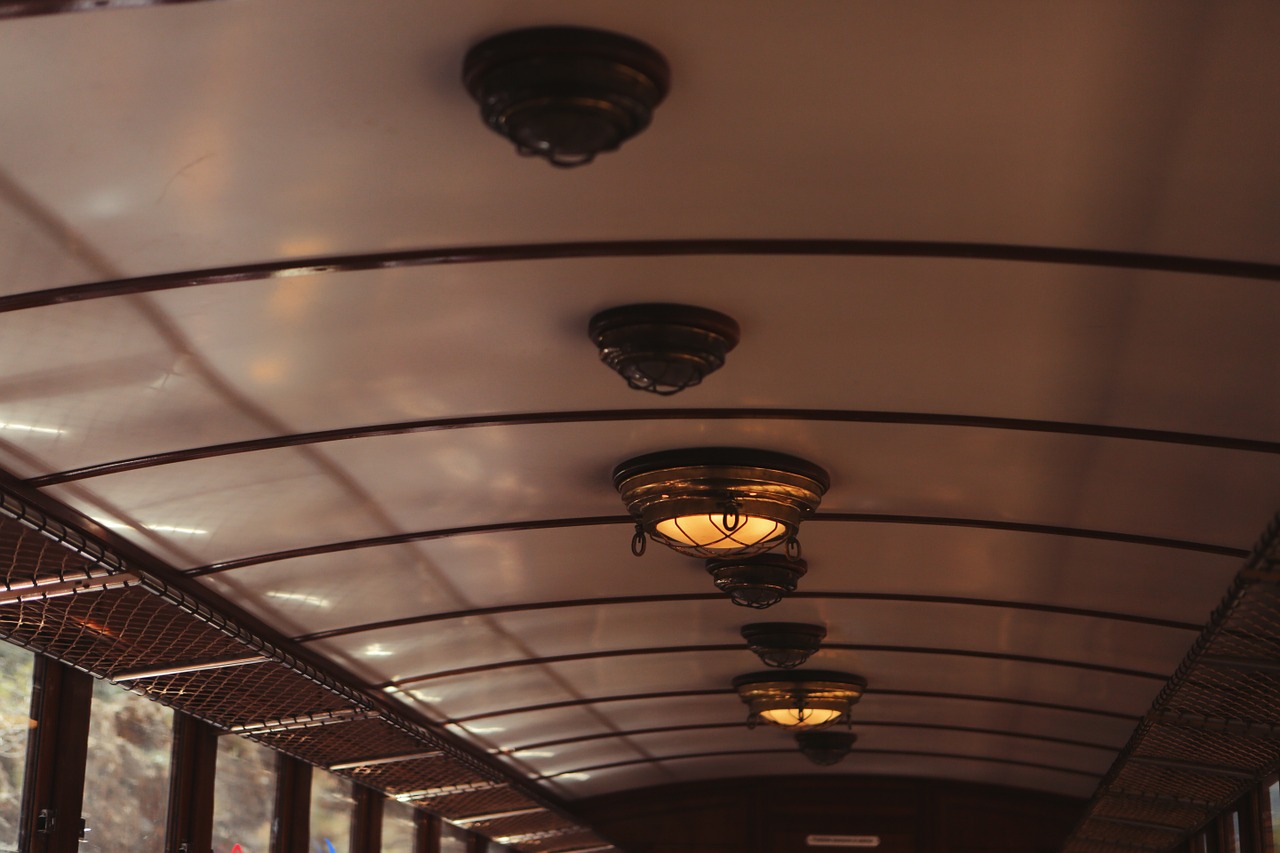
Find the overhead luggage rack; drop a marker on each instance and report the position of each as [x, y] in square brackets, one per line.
[66, 596]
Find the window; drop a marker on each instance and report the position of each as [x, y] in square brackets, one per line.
[398, 827]
[1270, 818]
[452, 839]
[332, 805]
[243, 796]
[1231, 832]
[15, 725]
[126, 778]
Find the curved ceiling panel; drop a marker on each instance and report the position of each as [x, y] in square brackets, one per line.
[282, 499]
[1045, 468]
[1116, 157]
[969, 769]
[427, 583]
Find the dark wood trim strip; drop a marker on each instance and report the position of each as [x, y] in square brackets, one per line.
[404, 539]
[596, 603]
[426, 838]
[684, 694]
[25, 8]
[921, 249]
[231, 448]
[291, 825]
[737, 647]
[853, 755]
[56, 753]
[1045, 529]
[1111, 749]
[590, 521]
[193, 761]
[366, 820]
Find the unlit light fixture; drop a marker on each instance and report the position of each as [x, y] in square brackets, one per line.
[800, 700]
[784, 645]
[825, 748]
[663, 348]
[757, 582]
[719, 501]
[566, 93]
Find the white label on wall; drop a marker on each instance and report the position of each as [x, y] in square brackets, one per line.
[843, 841]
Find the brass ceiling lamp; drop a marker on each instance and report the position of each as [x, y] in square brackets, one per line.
[799, 700]
[784, 645]
[825, 748]
[663, 348]
[757, 582]
[566, 94]
[719, 502]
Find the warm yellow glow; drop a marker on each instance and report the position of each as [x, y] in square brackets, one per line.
[800, 718]
[709, 531]
[268, 371]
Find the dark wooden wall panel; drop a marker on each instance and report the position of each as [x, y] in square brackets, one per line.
[776, 815]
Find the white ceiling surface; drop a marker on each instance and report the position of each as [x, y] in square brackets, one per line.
[241, 130]
[235, 131]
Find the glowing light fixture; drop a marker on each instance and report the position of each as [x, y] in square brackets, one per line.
[719, 501]
[663, 348]
[801, 700]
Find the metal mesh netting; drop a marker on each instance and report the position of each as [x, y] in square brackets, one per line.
[229, 677]
[367, 739]
[1210, 748]
[1150, 810]
[35, 549]
[1213, 732]
[418, 775]
[555, 842]
[28, 557]
[1090, 845]
[113, 631]
[1230, 693]
[529, 824]
[1130, 835]
[244, 695]
[481, 802]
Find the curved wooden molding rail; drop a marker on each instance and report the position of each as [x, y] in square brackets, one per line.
[301, 439]
[589, 521]
[738, 647]
[1110, 749]
[24, 8]
[330, 264]
[688, 756]
[716, 596]
[684, 694]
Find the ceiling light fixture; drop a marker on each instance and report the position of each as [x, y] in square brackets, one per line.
[757, 582]
[784, 645]
[826, 748]
[566, 93]
[719, 501]
[663, 348]
[800, 700]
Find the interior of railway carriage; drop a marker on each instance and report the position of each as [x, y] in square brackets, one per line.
[668, 427]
